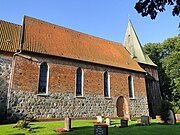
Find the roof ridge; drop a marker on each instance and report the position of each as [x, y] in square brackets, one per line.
[25, 16]
[46, 38]
[10, 22]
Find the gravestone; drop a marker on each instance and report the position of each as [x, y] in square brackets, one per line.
[177, 117]
[124, 123]
[67, 123]
[145, 120]
[158, 118]
[108, 121]
[171, 118]
[100, 130]
[100, 119]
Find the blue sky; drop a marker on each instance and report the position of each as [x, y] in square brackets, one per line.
[102, 18]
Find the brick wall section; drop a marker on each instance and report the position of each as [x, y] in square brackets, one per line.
[93, 82]
[5, 70]
[62, 80]
[26, 75]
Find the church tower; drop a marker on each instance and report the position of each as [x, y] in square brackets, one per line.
[133, 45]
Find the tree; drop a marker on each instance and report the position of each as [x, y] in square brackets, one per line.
[152, 7]
[171, 65]
[167, 56]
[156, 53]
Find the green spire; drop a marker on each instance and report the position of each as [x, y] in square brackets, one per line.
[133, 45]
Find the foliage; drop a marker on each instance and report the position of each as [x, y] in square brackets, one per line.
[85, 127]
[167, 56]
[21, 124]
[30, 118]
[165, 107]
[152, 7]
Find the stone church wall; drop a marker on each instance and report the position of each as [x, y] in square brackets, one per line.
[5, 70]
[139, 105]
[61, 100]
[60, 105]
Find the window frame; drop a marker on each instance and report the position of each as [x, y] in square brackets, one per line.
[47, 79]
[81, 83]
[131, 87]
[107, 84]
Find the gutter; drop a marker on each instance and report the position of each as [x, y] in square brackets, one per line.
[19, 51]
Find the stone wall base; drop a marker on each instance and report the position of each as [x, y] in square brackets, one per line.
[58, 105]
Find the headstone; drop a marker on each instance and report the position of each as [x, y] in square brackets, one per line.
[171, 118]
[108, 121]
[67, 123]
[100, 119]
[177, 117]
[124, 123]
[100, 130]
[158, 118]
[145, 120]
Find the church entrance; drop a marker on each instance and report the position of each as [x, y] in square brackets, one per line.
[122, 107]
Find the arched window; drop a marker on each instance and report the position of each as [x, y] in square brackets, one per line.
[131, 87]
[79, 82]
[43, 78]
[106, 84]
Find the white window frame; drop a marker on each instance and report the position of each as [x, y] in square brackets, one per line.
[132, 87]
[82, 83]
[108, 85]
[47, 81]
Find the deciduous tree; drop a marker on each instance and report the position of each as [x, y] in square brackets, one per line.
[167, 56]
[152, 7]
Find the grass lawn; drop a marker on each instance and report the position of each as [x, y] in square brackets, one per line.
[85, 127]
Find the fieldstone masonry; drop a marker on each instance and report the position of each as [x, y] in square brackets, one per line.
[61, 105]
[139, 106]
[58, 105]
[5, 70]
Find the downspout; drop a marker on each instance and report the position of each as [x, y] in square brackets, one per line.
[13, 63]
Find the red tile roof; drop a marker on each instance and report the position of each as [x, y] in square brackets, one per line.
[46, 38]
[9, 36]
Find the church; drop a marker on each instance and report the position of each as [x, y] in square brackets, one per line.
[48, 71]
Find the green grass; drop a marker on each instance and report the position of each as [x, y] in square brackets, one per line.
[85, 127]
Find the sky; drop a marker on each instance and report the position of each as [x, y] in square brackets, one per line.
[106, 19]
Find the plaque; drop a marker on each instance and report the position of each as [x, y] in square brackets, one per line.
[145, 120]
[100, 130]
[124, 123]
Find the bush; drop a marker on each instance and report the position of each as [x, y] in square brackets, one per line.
[165, 107]
[21, 124]
[30, 118]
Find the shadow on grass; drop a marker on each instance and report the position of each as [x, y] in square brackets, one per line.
[131, 129]
[37, 128]
[79, 128]
[84, 130]
[17, 134]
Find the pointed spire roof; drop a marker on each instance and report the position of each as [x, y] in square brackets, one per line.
[133, 45]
